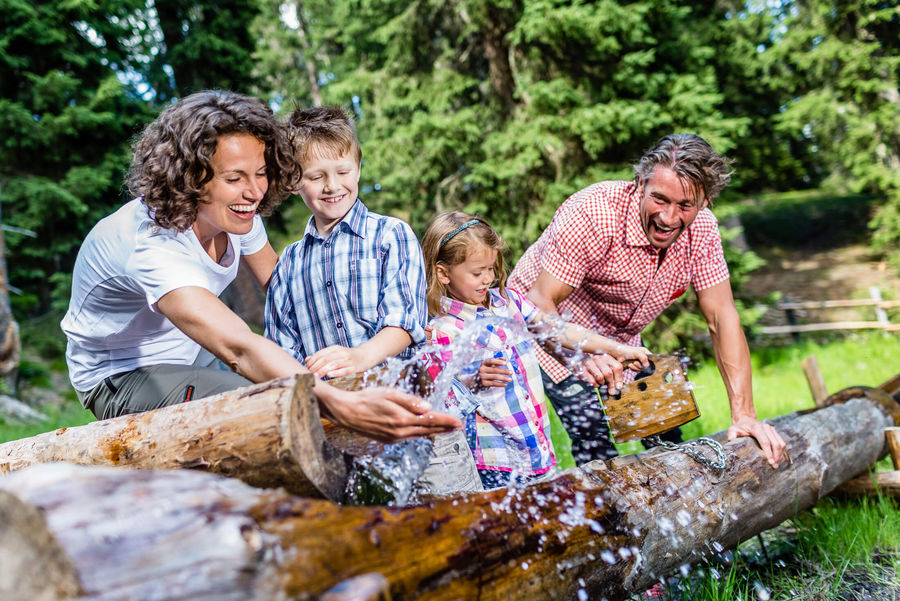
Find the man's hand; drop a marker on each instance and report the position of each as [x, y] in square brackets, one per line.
[768, 438]
[335, 361]
[493, 373]
[598, 370]
[384, 414]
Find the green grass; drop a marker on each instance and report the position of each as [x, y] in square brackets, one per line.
[779, 386]
[69, 414]
[828, 553]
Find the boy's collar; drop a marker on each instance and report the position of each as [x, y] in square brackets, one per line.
[355, 219]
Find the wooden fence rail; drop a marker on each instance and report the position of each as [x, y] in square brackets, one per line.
[882, 322]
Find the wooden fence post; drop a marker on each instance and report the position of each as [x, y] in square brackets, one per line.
[815, 379]
[893, 441]
[881, 315]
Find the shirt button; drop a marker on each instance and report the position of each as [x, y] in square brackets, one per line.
[340, 325]
[328, 283]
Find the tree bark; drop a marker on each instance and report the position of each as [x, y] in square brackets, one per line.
[309, 62]
[10, 343]
[603, 530]
[267, 435]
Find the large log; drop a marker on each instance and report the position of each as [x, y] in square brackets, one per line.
[267, 435]
[603, 530]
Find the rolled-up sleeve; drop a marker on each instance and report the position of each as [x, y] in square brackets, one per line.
[401, 303]
[281, 321]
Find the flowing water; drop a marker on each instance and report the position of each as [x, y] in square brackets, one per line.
[390, 476]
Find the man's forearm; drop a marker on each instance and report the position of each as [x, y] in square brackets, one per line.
[733, 360]
[730, 348]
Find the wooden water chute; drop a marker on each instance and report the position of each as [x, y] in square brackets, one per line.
[606, 529]
[267, 435]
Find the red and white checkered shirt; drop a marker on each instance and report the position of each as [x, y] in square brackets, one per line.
[596, 244]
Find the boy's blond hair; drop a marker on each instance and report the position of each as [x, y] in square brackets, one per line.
[446, 244]
[323, 131]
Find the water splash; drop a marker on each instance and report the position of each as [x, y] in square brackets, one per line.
[390, 476]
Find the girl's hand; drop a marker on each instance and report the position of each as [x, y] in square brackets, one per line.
[493, 373]
[634, 358]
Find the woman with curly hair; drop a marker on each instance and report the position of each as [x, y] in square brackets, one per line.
[145, 323]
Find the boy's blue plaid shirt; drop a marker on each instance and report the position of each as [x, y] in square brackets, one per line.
[343, 289]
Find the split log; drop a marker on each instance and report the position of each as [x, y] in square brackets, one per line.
[267, 435]
[886, 483]
[605, 529]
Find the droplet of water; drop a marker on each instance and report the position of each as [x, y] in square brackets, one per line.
[582, 595]
[524, 565]
[762, 593]
[608, 557]
[666, 526]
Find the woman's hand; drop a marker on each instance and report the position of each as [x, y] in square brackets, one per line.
[383, 413]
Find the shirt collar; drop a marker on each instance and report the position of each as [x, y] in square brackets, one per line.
[634, 232]
[465, 311]
[354, 221]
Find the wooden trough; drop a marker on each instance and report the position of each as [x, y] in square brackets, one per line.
[271, 435]
[268, 435]
[604, 530]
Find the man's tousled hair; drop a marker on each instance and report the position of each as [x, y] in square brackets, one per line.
[692, 159]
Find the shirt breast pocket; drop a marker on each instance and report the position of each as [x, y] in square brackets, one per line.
[678, 287]
[365, 290]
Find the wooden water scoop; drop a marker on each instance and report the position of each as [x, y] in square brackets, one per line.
[653, 404]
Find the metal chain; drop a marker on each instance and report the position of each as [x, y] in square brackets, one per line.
[691, 448]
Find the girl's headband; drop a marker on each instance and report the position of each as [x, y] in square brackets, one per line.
[447, 238]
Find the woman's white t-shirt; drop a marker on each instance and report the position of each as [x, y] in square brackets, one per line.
[125, 265]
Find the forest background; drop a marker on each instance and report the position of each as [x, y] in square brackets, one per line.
[499, 107]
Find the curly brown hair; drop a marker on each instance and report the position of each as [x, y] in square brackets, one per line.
[172, 158]
[692, 159]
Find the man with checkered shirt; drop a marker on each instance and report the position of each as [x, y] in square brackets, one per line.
[616, 254]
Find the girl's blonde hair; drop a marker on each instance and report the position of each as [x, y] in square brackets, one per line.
[448, 242]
